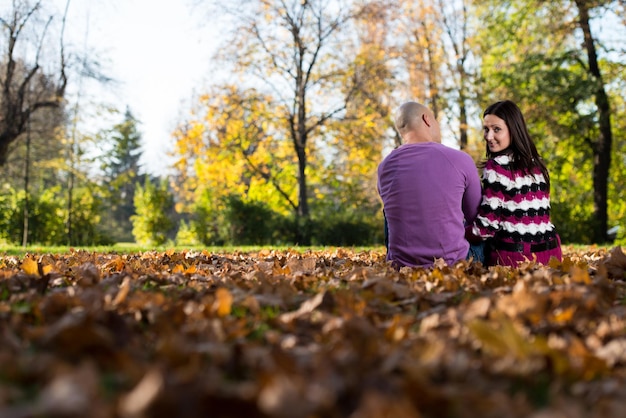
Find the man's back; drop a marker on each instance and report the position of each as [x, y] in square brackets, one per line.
[428, 190]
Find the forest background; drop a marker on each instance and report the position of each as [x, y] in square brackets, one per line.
[283, 145]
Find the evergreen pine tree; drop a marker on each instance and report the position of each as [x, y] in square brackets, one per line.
[122, 172]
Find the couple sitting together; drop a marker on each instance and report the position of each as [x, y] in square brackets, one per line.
[433, 203]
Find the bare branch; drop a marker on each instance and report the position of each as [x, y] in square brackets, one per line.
[20, 98]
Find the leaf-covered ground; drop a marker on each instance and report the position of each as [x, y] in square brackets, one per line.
[310, 334]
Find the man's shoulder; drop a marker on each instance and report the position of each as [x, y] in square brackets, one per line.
[429, 150]
[454, 153]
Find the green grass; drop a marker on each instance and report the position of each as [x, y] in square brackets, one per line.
[132, 248]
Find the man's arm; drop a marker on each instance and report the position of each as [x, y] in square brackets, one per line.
[473, 193]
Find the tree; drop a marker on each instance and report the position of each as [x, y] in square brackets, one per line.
[345, 190]
[25, 88]
[455, 20]
[292, 47]
[561, 87]
[601, 145]
[121, 169]
[28, 167]
[419, 49]
[154, 204]
[229, 148]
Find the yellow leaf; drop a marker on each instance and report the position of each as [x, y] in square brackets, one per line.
[554, 263]
[580, 275]
[563, 315]
[191, 269]
[29, 266]
[47, 269]
[178, 269]
[567, 264]
[501, 338]
[223, 301]
[488, 336]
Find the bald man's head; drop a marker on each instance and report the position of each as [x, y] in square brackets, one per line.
[416, 123]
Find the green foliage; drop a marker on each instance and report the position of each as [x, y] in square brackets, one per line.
[86, 219]
[248, 222]
[207, 218]
[343, 231]
[546, 72]
[621, 236]
[237, 178]
[48, 215]
[154, 205]
[237, 220]
[120, 165]
[185, 234]
[6, 207]
[45, 220]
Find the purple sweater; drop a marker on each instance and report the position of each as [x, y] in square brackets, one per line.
[428, 192]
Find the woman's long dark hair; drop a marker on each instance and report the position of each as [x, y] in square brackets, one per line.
[522, 148]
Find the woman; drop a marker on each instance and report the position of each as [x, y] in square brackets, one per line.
[514, 214]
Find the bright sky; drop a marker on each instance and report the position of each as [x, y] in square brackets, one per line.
[160, 55]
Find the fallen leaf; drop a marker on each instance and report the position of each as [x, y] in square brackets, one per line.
[223, 302]
[30, 266]
[615, 264]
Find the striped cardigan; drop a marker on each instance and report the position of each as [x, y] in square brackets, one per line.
[515, 206]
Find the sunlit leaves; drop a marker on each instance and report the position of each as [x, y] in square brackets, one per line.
[335, 330]
[234, 146]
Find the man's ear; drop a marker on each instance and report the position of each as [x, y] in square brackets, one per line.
[426, 119]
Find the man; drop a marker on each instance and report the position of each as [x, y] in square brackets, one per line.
[428, 191]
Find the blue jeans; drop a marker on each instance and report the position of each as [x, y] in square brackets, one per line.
[386, 232]
[477, 252]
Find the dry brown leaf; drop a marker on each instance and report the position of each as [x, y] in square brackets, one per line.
[615, 264]
[135, 403]
[122, 292]
[307, 307]
[285, 333]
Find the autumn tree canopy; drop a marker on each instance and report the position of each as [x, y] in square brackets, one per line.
[329, 96]
[296, 114]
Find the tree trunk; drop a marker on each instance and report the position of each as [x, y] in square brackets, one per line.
[303, 215]
[303, 236]
[15, 112]
[602, 146]
[462, 121]
[26, 212]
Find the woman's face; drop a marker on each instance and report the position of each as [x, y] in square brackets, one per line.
[496, 134]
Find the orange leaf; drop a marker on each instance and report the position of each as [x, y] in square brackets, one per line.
[30, 266]
[580, 275]
[563, 315]
[223, 301]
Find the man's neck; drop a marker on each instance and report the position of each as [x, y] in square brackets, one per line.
[415, 138]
